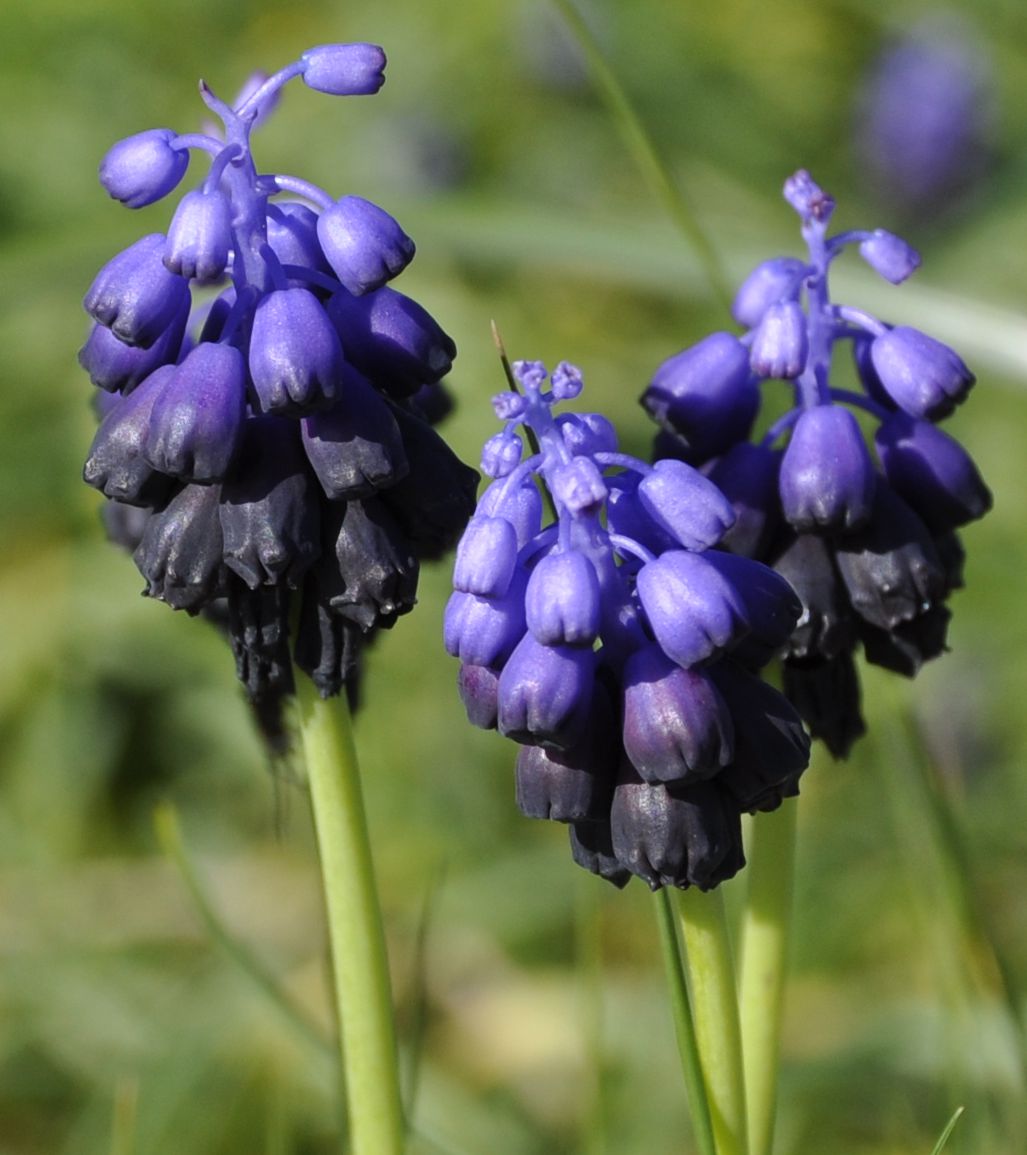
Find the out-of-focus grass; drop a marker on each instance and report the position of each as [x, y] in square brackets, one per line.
[492, 148]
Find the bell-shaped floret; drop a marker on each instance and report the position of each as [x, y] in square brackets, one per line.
[678, 836]
[891, 568]
[686, 504]
[694, 612]
[676, 726]
[923, 376]
[478, 687]
[135, 296]
[586, 434]
[771, 281]
[292, 235]
[780, 344]
[563, 601]
[328, 647]
[706, 395]
[355, 447]
[772, 607]
[501, 454]
[484, 631]
[931, 471]
[771, 746]
[344, 69]
[143, 168]
[578, 486]
[197, 420]
[296, 360]
[889, 255]
[826, 693]
[258, 630]
[592, 850]
[520, 505]
[626, 517]
[825, 628]
[827, 478]
[486, 557]
[392, 339]
[747, 477]
[270, 515]
[363, 244]
[180, 553]
[545, 693]
[906, 647]
[116, 465]
[200, 236]
[117, 367]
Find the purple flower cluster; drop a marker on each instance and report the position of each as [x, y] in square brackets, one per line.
[869, 546]
[619, 647]
[268, 436]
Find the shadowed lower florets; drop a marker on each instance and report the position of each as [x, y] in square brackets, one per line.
[619, 647]
[869, 545]
[270, 437]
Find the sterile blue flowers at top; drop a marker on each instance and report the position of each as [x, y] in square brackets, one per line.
[619, 647]
[272, 427]
[870, 546]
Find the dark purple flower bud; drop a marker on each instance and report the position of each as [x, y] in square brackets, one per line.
[562, 785]
[706, 394]
[952, 557]
[292, 235]
[931, 471]
[808, 199]
[889, 255]
[392, 339]
[200, 236]
[143, 168]
[827, 478]
[906, 647]
[197, 420]
[688, 836]
[587, 434]
[923, 376]
[269, 514]
[258, 629]
[328, 647]
[344, 69]
[562, 604]
[501, 454]
[592, 849]
[826, 693]
[377, 568]
[693, 610]
[486, 557]
[772, 607]
[747, 476]
[520, 505]
[116, 465]
[484, 631]
[363, 244]
[686, 504]
[117, 367]
[125, 524]
[355, 448]
[771, 747]
[479, 691]
[578, 486]
[780, 344]
[295, 355]
[435, 499]
[545, 693]
[775, 280]
[180, 553]
[676, 726]
[825, 628]
[135, 296]
[890, 567]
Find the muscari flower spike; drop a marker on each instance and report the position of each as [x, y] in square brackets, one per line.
[268, 441]
[619, 647]
[869, 545]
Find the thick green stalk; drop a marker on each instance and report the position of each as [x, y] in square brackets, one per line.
[711, 978]
[764, 958]
[359, 965]
[684, 1026]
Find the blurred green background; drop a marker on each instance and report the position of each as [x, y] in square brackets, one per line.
[535, 990]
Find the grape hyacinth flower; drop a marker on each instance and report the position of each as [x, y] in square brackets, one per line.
[869, 545]
[619, 647]
[270, 435]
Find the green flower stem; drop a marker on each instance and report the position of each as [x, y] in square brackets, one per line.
[684, 1027]
[711, 978]
[764, 957]
[359, 965]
